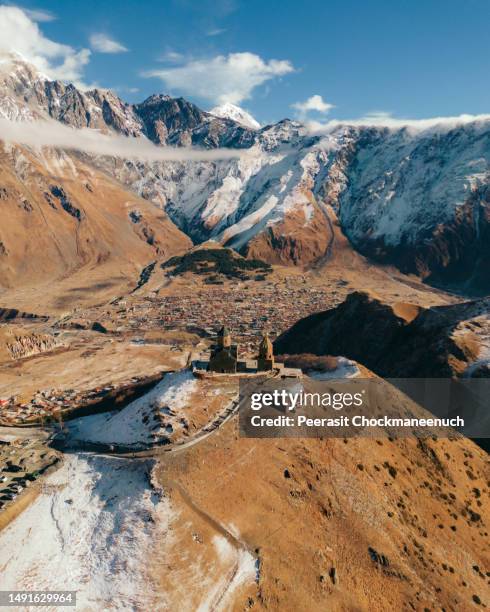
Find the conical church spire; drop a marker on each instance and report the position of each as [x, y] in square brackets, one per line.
[265, 358]
[224, 337]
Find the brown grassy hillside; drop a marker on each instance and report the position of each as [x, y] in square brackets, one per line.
[64, 223]
[343, 525]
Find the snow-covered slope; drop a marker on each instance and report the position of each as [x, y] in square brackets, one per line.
[90, 530]
[235, 200]
[235, 113]
[150, 419]
[421, 200]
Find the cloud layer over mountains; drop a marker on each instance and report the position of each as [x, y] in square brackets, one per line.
[53, 134]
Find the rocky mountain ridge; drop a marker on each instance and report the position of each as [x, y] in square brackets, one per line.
[399, 340]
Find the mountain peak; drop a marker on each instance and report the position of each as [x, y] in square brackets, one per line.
[235, 113]
[156, 99]
[13, 64]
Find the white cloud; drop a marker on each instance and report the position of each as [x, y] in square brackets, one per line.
[385, 120]
[221, 79]
[20, 33]
[41, 134]
[314, 103]
[378, 115]
[124, 89]
[103, 44]
[39, 15]
[172, 57]
[216, 32]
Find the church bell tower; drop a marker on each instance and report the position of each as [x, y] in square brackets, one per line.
[265, 359]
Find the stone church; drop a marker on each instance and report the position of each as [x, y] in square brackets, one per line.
[224, 356]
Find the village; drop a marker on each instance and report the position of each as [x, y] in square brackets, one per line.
[177, 322]
[248, 310]
[23, 459]
[48, 405]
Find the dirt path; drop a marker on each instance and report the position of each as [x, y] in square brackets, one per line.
[240, 547]
[111, 450]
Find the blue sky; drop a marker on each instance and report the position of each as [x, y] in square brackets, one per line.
[409, 58]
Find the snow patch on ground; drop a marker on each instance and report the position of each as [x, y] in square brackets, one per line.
[243, 571]
[345, 369]
[483, 358]
[137, 423]
[91, 530]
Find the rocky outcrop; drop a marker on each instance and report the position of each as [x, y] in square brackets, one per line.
[167, 120]
[10, 314]
[397, 340]
[59, 192]
[32, 344]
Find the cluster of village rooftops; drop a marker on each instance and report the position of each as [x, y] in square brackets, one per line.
[223, 358]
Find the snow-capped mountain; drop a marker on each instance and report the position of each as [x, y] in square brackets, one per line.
[422, 201]
[418, 198]
[235, 113]
[25, 94]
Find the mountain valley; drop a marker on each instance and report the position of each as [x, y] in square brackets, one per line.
[363, 249]
[413, 197]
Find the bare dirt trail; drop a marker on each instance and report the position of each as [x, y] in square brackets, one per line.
[239, 546]
[64, 444]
